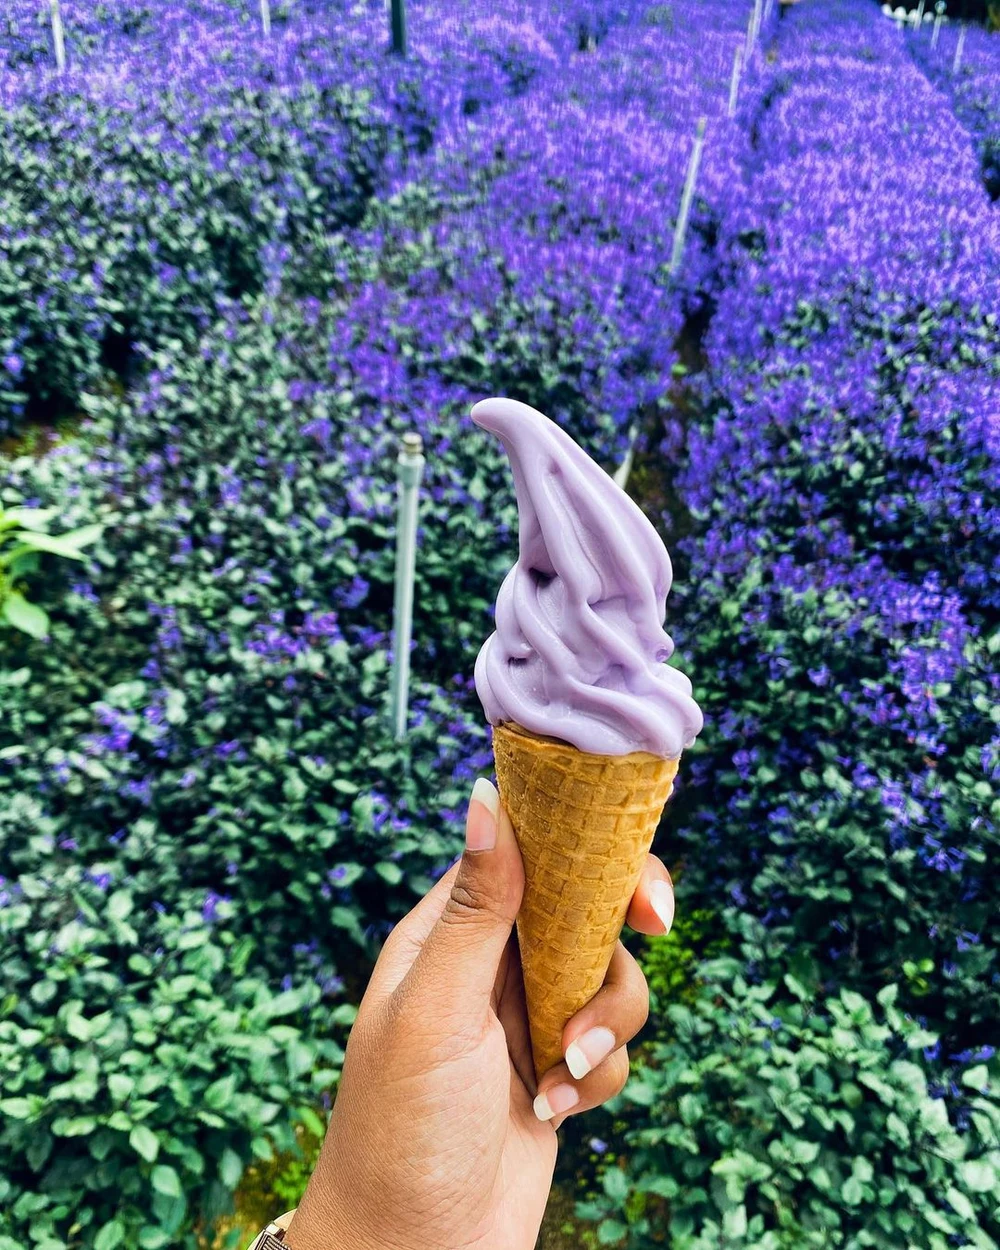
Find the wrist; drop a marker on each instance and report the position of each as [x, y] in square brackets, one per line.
[318, 1224]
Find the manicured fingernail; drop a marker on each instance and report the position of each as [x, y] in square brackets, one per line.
[481, 822]
[555, 1101]
[661, 899]
[583, 1055]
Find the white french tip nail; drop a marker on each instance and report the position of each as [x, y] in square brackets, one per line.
[485, 792]
[589, 1049]
[555, 1101]
[542, 1109]
[661, 899]
[577, 1062]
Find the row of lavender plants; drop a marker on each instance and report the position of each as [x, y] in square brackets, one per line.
[136, 208]
[203, 809]
[205, 822]
[834, 1080]
[966, 66]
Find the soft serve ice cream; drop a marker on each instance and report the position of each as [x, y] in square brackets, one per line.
[579, 652]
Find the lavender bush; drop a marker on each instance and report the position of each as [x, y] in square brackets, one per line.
[255, 266]
[840, 473]
[974, 89]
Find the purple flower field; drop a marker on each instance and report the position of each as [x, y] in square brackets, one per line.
[235, 267]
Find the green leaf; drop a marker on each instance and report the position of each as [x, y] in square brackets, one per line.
[979, 1176]
[74, 1126]
[230, 1168]
[734, 1222]
[27, 617]
[49, 543]
[144, 1142]
[166, 1181]
[615, 1184]
[27, 518]
[220, 1093]
[609, 1232]
[959, 1203]
[977, 1077]
[153, 1238]
[15, 1108]
[120, 905]
[110, 1236]
[851, 1191]
[120, 1085]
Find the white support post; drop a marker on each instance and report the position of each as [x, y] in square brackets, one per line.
[265, 16]
[409, 470]
[918, 19]
[749, 41]
[687, 197]
[734, 81]
[625, 468]
[956, 63]
[57, 35]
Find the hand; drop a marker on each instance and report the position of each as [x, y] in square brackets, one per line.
[438, 1138]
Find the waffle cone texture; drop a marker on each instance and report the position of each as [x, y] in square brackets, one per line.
[584, 824]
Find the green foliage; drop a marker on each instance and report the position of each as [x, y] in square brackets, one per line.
[147, 1059]
[290, 1183]
[174, 227]
[205, 731]
[774, 1120]
[669, 962]
[24, 537]
[828, 816]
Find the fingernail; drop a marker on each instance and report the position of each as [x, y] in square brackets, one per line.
[555, 1101]
[588, 1051]
[661, 899]
[481, 822]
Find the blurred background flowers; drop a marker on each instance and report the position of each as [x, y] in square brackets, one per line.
[236, 265]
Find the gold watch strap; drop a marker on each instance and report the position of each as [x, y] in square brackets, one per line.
[274, 1234]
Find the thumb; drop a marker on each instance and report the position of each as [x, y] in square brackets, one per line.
[457, 965]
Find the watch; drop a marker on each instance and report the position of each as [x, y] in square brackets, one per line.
[273, 1237]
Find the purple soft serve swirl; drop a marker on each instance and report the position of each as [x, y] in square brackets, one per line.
[579, 647]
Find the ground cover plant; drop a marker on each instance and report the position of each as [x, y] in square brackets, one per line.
[841, 476]
[206, 827]
[974, 88]
[156, 790]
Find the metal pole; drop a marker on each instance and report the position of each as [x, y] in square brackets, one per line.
[939, 13]
[734, 81]
[687, 197]
[625, 468]
[409, 469]
[918, 19]
[749, 40]
[265, 16]
[757, 5]
[958, 50]
[57, 35]
[399, 39]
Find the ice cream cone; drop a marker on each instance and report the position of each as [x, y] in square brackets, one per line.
[584, 824]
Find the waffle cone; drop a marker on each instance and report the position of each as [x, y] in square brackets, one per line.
[584, 824]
